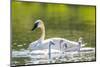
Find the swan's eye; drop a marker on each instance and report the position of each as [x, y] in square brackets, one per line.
[36, 24]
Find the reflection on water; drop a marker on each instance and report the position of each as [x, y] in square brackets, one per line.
[25, 57]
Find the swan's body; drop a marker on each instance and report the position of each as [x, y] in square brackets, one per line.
[56, 43]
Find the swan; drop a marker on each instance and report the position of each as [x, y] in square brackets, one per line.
[54, 43]
[60, 44]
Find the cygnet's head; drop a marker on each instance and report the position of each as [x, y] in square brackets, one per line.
[80, 39]
[37, 24]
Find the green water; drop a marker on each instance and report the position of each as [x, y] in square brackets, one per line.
[61, 20]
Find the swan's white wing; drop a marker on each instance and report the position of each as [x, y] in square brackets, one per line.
[31, 45]
[36, 45]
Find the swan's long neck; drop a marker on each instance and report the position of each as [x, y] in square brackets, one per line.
[43, 32]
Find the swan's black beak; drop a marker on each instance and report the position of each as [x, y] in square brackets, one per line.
[35, 26]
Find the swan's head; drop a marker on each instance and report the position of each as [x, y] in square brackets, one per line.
[38, 24]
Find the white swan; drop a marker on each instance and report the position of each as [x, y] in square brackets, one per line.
[60, 44]
[55, 43]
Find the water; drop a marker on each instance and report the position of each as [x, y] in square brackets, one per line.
[25, 57]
